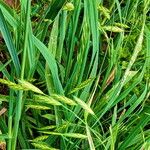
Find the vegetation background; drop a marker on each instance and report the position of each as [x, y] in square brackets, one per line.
[75, 74]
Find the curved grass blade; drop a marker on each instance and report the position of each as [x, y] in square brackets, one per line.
[51, 63]
[7, 12]
[9, 42]
[144, 120]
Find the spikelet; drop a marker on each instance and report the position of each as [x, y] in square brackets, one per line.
[38, 107]
[113, 29]
[69, 7]
[63, 99]
[104, 11]
[11, 84]
[46, 99]
[29, 86]
[83, 105]
[40, 138]
[43, 146]
[82, 85]
[72, 135]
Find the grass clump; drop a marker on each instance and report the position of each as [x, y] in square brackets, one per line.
[75, 74]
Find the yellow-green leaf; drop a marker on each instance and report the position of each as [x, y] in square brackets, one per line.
[130, 75]
[49, 116]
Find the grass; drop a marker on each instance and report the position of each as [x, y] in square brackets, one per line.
[75, 75]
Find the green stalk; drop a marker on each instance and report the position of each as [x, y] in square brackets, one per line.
[19, 103]
[10, 116]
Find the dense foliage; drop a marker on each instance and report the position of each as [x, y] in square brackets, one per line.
[75, 74]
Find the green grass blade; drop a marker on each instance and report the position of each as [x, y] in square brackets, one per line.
[51, 63]
[9, 42]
